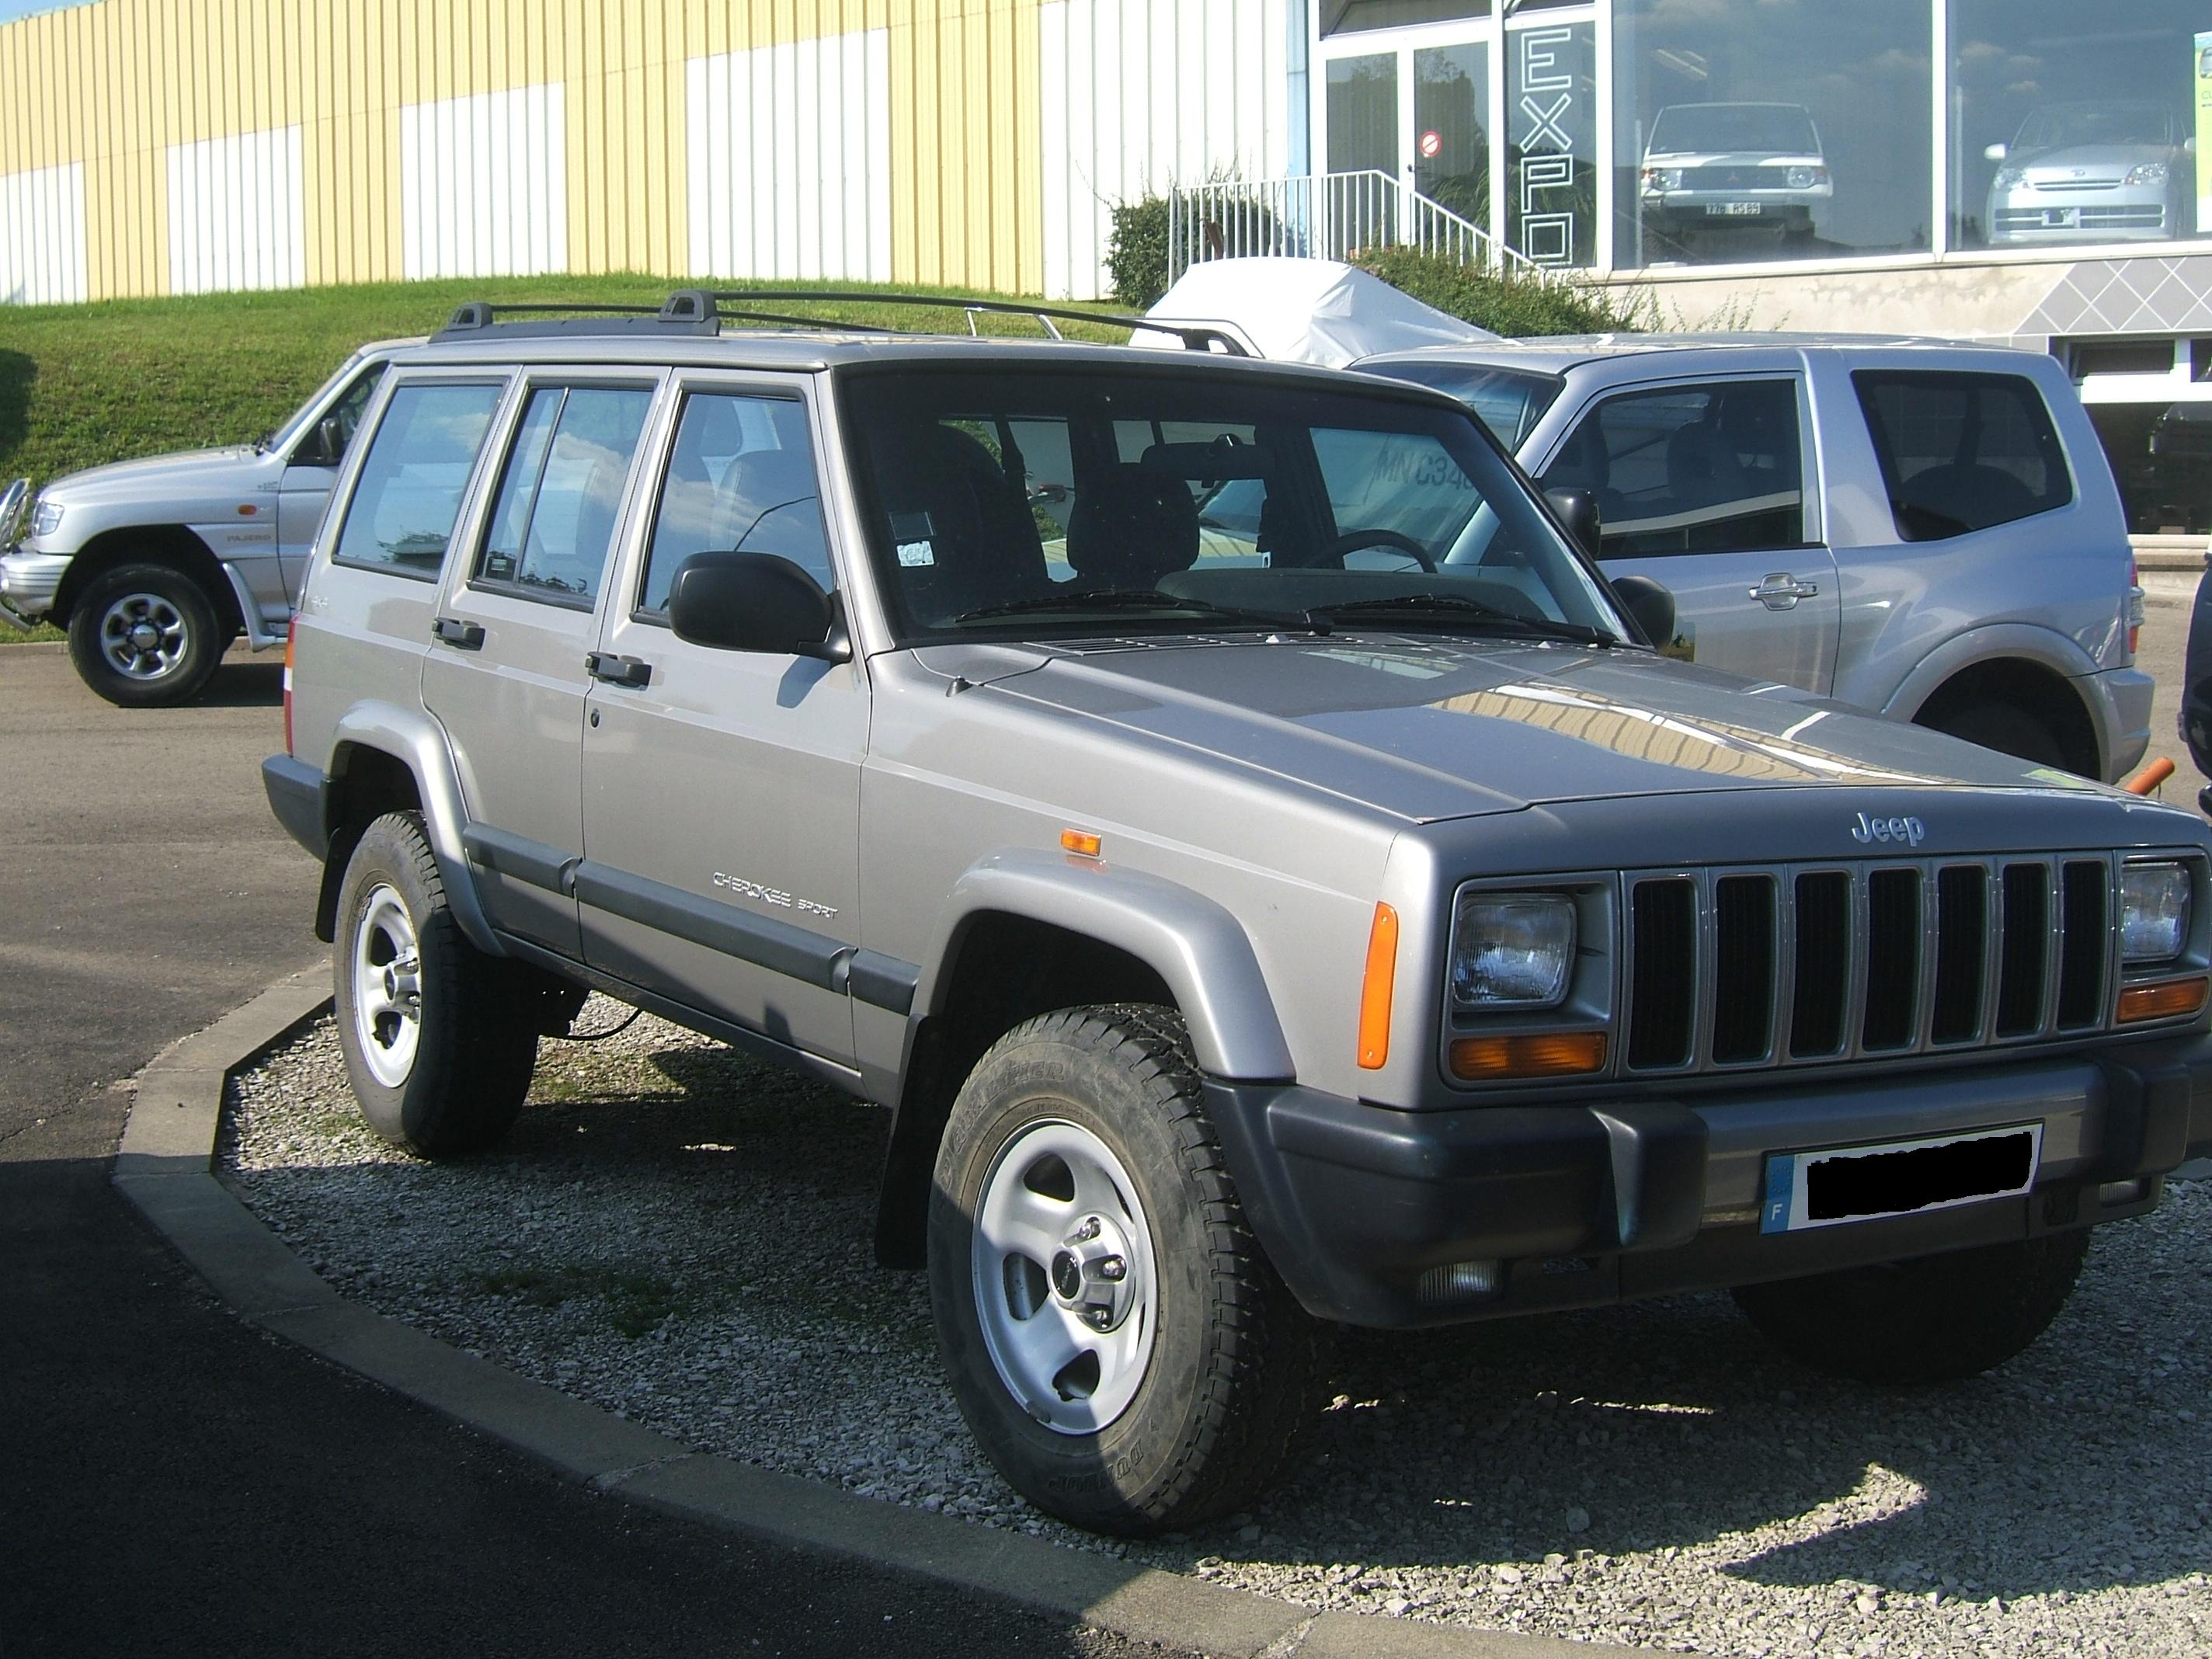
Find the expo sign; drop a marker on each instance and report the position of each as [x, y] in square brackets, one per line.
[1547, 118]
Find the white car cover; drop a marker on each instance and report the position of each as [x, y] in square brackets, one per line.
[1304, 310]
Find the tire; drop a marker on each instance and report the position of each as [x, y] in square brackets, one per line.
[1184, 1410]
[440, 1064]
[2007, 730]
[1938, 1319]
[144, 635]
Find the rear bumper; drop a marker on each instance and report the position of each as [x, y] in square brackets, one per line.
[2122, 696]
[295, 796]
[1582, 1204]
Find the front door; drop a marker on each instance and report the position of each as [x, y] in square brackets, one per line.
[721, 788]
[1700, 486]
[507, 674]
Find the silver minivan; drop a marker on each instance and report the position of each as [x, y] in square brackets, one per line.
[1921, 528]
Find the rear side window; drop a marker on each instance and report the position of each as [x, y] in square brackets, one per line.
[1961, 452]
[1715, 468]
[555, 517]
[402, 512]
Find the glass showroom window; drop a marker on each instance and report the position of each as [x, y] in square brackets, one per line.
[1771, 132]
[2066, 127]
[1551, 159]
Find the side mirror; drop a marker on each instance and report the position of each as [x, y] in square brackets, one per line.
[332, 435]
[755, 602]
[1996, 152]
[1578, 511]
[1650, 606]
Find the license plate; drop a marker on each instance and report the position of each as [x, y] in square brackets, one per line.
[1735, 209]
[1898, 1177]
[2058, 218]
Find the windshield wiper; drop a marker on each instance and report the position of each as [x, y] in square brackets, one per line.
[1142, 598]
[1454, 610]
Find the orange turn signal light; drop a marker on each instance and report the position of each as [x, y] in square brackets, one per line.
[1085, 843]
[1550, 1053]
[2164, 1000]
[1375, 990]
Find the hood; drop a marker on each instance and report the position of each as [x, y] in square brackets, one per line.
[2095, 161]
[1425, 729]
[179, 474]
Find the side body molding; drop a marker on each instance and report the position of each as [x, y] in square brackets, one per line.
[412, 736]
[1191, 942]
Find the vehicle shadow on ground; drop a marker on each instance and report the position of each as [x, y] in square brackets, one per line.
[257, 683]
[18, 373]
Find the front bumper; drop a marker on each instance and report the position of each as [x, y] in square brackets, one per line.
[28, 582]
[1607, 1200]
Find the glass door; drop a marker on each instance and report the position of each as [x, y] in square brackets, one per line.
[1451, 127]
[1366, 131]
[1417, 117]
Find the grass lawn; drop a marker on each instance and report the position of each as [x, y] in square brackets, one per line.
[81, 384]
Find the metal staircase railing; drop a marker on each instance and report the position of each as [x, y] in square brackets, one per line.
[1332, 216]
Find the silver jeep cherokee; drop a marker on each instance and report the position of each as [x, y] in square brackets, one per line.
[1355, 922]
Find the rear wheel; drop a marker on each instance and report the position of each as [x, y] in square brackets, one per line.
[440, 1041]
[1937, 1319]
[1119, 1345]
[2007, 729]
[145, 634]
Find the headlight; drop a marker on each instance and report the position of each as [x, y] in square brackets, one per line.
[1512, 950]
[45, 518]
[2150, 172]
[1663, 178]
[2007, 178]
[2154, 912]
[1803, 177]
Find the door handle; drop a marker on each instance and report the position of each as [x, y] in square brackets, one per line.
[1781, 591]
[618, 671]
[452, 630]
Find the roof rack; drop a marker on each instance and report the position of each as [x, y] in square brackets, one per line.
[692, 310]
[687, 312]
[1195, 337]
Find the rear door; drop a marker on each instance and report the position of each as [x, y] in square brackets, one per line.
[507, 674]
[1702, 486]
[722, 788]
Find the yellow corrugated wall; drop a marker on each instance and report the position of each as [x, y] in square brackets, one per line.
[113, 85]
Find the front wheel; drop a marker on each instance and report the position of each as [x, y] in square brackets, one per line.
[439, 1041]
[1120, 1346]
[1936, 1318]
[145, 634]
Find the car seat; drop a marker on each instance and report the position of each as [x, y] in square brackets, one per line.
[1702, 468]
[965, 535]
[769, 502]
[1132, 527]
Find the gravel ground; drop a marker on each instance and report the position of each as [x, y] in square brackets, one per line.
[681, 1235]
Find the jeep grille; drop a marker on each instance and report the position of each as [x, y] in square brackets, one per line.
[1736, 968]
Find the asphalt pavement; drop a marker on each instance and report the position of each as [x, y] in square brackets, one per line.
[174, 1481]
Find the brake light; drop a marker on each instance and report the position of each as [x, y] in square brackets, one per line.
[291, 637]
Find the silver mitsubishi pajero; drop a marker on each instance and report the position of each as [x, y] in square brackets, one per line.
[1354, 921]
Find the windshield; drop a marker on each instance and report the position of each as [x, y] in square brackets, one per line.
[2097, 124]
[1762, 128]
[1508, 401]
[1058, 503]
[295, 423]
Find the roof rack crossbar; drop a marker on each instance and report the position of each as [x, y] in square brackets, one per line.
[1195, 337]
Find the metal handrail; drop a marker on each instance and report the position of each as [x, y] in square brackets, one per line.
[1331, 215]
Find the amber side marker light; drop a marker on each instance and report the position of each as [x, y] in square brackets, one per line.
[1375, 988]
[2163, 1002]
[1554, 1054]
[1085, 843]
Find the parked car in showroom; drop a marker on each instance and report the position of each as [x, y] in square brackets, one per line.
[1378, 933]
[1924, 528]
[154, 565]
[2113, 171]
[1727, 169]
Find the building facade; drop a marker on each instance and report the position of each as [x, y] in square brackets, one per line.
[2029, 170]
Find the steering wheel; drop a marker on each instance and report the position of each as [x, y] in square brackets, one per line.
[1352, 539]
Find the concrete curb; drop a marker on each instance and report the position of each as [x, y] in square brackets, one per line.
[43, 647]
[165, 1167]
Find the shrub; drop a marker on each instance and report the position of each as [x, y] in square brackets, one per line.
[1516, 306]
[1137, 251]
